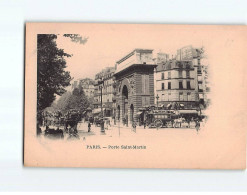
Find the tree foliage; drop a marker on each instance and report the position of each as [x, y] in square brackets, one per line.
[76, 38]
[75, 100]
[51, 75]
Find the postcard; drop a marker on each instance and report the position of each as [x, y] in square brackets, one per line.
[135, 96]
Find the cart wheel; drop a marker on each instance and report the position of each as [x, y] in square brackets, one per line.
[158, 123]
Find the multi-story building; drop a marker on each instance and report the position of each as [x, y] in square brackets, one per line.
[104, 81]
[176, 83]
[203, 84]
[182, 80]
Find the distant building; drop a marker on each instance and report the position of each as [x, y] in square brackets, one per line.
[107, 86]
[161, 58]
[87, 84]
[187, 53]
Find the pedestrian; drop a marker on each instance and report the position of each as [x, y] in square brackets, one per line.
[144, 124]
[197, 126]
[89, 127]
[134, 126]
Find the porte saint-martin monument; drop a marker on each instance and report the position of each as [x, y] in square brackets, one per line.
[135, 83]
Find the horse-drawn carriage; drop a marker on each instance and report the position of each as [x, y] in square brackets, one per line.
[71, 120]
[160, 118]
[171, 118]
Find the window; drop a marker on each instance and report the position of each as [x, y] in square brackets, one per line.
[185, 97]
[169, 66]
[180, 65]
[180, 74]
[145, 83]
[162, 76]
[181, 96]
[162, 86]
[169, 85]
[187, 74]
[169, 75]
[200, 87]
[189, 96]
[187, 65]
[180, 84]
[188, 85]
[169, 96]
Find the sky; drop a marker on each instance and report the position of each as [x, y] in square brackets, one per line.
[107, 44]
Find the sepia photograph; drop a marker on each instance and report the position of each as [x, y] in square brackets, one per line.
[127, 90]
[123, 96]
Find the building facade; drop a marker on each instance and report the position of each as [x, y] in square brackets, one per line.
[183, 80]
[87, 85]
[134, 84]
[176, 83]
[104, 81]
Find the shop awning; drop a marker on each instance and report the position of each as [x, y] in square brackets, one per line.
[187, 111]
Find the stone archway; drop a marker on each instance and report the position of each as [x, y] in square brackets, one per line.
[125, 98]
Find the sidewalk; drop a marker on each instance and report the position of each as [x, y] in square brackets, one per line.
[120, 130]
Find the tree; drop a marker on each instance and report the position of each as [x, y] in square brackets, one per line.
[76, 38]
[75, 100]
[63, 101]
[51, 75]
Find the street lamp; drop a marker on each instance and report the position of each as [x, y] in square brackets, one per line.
[157, 97]
[101, 84]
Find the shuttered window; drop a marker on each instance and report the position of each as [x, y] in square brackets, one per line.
[180, 74]
[162, 76]
[162, 86]
[189, 96]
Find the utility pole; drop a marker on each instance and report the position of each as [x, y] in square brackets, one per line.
[101, 84]
[157, 97]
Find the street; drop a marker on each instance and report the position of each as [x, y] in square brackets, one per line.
[116, 131]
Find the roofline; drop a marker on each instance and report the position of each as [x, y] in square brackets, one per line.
[134, 65]
[136, 49]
